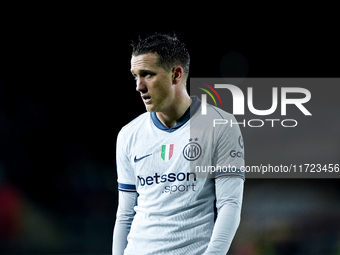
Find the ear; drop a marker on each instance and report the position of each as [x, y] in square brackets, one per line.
[177, 74]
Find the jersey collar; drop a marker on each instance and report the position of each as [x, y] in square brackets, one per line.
[195, 104]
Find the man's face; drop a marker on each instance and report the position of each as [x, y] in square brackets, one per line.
[152, 81]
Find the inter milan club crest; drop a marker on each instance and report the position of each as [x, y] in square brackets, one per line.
[167, 152]
[192, 150]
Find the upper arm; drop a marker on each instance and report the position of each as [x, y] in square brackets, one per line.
[125, 172]
[229, 151]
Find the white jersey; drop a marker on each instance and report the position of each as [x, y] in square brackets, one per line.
[175, 207]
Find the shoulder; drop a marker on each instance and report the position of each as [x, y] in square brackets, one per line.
[221, 125]
[216, 113]
[214, 117]
[133, 125]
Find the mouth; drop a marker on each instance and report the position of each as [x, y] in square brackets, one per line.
[146, 99]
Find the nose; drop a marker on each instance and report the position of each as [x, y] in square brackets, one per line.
[140, 86]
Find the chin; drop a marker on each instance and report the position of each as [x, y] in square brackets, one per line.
[150, 108]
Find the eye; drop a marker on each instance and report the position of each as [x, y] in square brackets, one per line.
[147, 75]
[143, 75]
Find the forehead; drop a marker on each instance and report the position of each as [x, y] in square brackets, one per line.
[146, 61]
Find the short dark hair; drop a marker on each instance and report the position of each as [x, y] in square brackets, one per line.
[170, 50]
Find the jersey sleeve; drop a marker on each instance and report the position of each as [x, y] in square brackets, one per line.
[126, 178]
[229, 153]
[229, 193]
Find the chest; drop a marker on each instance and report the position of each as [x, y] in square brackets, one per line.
[153, 152]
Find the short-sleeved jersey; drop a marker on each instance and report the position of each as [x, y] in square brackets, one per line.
[168, 168]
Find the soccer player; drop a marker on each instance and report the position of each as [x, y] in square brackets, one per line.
[166, 206]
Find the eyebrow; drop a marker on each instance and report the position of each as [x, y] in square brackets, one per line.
[143, 71]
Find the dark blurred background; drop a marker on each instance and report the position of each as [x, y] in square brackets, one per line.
[66, 91]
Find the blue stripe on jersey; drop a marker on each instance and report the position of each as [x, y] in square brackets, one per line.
[230, 173]
[126, 187]
[217, 111]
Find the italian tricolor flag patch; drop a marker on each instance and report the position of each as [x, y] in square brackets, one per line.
[167, 152]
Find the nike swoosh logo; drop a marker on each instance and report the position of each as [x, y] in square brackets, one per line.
[139, 159]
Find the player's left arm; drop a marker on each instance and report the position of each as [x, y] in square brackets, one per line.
[229, 193]
[229, 183]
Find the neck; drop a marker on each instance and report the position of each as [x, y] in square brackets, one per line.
[171, 116]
